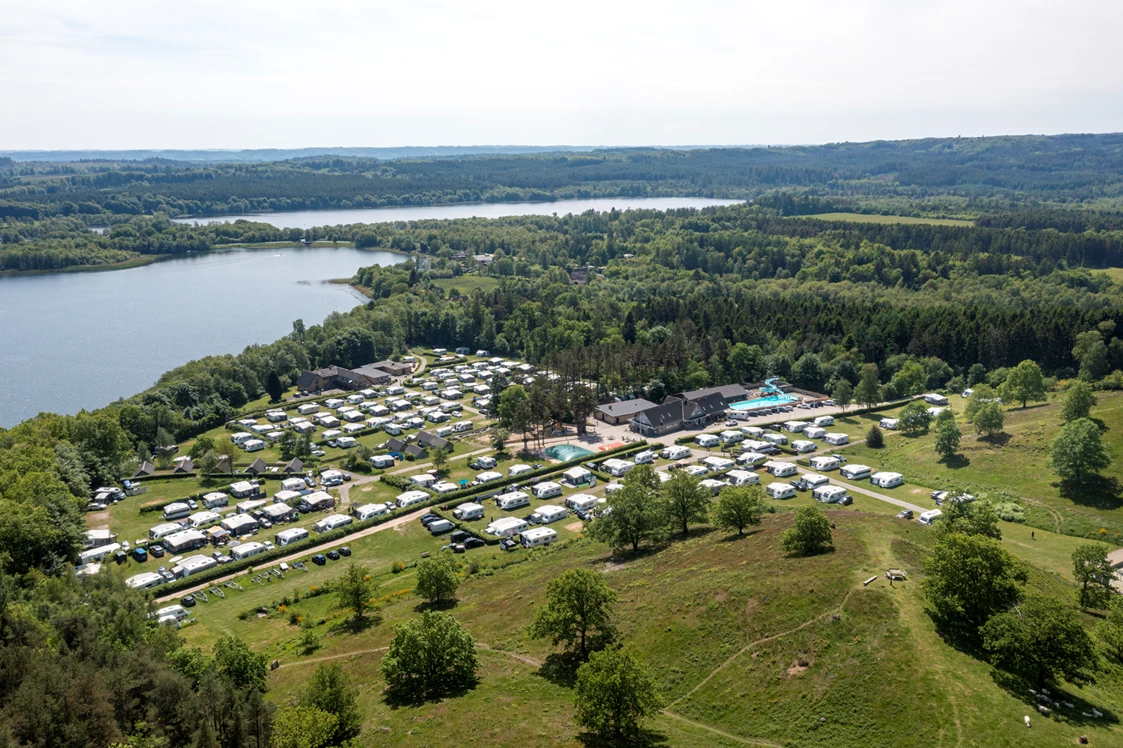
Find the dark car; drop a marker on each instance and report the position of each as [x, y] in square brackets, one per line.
[140, 555]
[319, 559]
[508, 544]
[187, 601]
[459, 536]
[583, 515]
[333, 555]
[345, 551]
[846, 500]
[429, 518]
[799, 484]
[905, 514]
[474, 543]
[157, 551]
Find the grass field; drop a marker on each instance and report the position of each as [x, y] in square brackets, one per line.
[1116, 274]
[870, 218]
[749, 646]
[1015, 467]
[466, 284]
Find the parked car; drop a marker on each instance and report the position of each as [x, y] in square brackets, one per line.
[429, 518]
[846, 500]
[904, 514]
[345, 551]
[318, 453]
[459, 536]
[333, 555]
[319, 559]
[473, 543]
[508, 544]
[187, 601]
[799, 484]
[156, 551]
[193, 504]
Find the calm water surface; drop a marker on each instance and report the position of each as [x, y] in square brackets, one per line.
[304, 219]
[81, 340]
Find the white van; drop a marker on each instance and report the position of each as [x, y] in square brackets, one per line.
[332, 522]
[929, 517]
[677, 452]
[742, 478]
[887, 479]
[512, 500]
[293, 535]
[780, 490]
[829, 494]
[780, 469]
[538, 536]
[855, 472]
[836, 438]
[546, 490]
[468, 511]
[706, 440]
[369, 511]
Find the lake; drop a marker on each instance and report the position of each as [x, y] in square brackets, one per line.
[82, 340]
[306, 219]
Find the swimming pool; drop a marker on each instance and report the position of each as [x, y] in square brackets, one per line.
[764, 402]
[566, 452]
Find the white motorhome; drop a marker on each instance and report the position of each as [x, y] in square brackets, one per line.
[290, 536]
[332, 522]
[485, 463]
[887, 479]
[538, 536]
[742, 478]
[330, 478]
[409, 498]
[468, 511]
[836, 438]
[707, 440]
[780, 490]
[829, 494]
[929, 517]
[512, 500]
[548, 513]
[677, 452]
[780, 469]
[546, 490]
[824, 463]
[855, 472]
[505, 527]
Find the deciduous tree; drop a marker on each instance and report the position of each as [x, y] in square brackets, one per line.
[947, 435]
[970, 578]
[578, 612]
[739, 507]
[989, 419]
[430, 656]
[685, 501]
[614, 693]
[436, 579]
[634, 513]
[1078, 451]
[330, 690]
[1040, 639]
[355, 589]
[1094, 573]
[1078, 401]
[809, 534]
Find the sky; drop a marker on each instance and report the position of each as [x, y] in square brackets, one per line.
[124, 74]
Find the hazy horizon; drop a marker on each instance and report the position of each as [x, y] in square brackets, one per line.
[127, 75]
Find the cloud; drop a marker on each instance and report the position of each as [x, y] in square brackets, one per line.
[131, 74]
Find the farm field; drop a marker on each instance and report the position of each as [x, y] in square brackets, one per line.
[875, 218]
[466, 284]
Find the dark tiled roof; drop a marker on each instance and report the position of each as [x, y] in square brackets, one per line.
[184, 466]
[372, 371]
[433, 441]
[710, 404]
[395, 445]
[626, 408]
[727, 391]
[294, 466]
[258, 466]
[146, 468]
[659, 415]
[416, 451]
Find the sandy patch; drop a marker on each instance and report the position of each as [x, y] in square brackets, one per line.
[575, 526]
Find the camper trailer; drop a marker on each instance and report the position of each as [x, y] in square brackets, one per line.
[706, 440]
[617, 468]
[240, 524]
[581, 502]
[890, 424]
[546, 490]
[824, 421]
[163, 531]
[369, 511]
[410, 498]
[855, 472]
[718, 464]
[512, 500]
[836, 438]
[200, 520]
[780, 490]
[824, 463]
[548, 513]
[731, 437]
[505, 527]
[830, 494]
[742, 478]
[780, 469]
[538, 536]
[144, 581]
[215, 499]
[803, 446]
[929, 517]
[933, 398]
[382, 462]
[290, 536]
[331, 522]
[814, 480]
[176, 510]
[675, 453]
[516, 470]
[468, 511]
[317, 501]
[887, 479]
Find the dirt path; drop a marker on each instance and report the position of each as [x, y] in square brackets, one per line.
[346, 540]
[723, 733]
[758, 642]
[327, 658]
